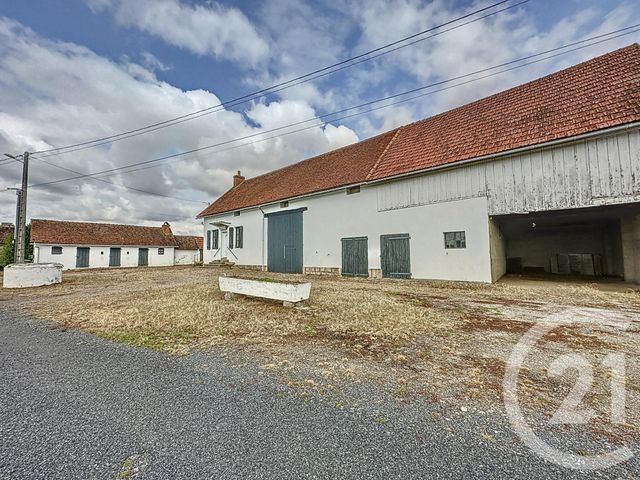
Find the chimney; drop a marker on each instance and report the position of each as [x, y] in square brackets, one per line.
[237, 179]
[166, 228]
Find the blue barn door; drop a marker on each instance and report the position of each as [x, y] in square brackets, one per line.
[284, 242]
[395, 257]
[82, 257]
[355, 257]
[143, 257]
[114, 257]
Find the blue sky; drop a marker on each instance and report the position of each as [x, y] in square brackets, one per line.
[74, 70]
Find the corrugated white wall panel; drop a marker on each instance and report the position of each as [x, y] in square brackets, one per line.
[590, 172]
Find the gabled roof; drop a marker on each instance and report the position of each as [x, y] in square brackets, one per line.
[103, 234]
[345, 166]
[597, 94]
[188, 242]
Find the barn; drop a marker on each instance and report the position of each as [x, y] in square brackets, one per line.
[542, 178]
[108, 245]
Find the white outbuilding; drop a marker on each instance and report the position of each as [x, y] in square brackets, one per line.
[103, 245]
[542, 178]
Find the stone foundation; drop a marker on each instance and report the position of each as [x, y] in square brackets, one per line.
[258, 268]
[375, 273]
[321, 270]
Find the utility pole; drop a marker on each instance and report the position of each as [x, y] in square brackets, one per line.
[15, 229]
[21, 211]
[22, 224]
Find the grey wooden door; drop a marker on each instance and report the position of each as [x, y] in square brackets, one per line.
[82, 257]
[355, 253]
[143, 257]
[284, 242]
[395, 255]
[114, 257]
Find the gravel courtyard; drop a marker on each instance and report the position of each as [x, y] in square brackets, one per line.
[388, 351]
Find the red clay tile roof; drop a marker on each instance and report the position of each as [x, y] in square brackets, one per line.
[104, 234]
[344, 166]
[5, 230]
[600, 93]
[188, 242]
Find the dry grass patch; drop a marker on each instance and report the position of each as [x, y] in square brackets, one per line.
[418, 340]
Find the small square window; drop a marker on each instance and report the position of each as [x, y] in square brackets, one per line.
[56, 250]
[236, 214]
[455, 240]
[352, 190]
[161, 251]
[284, 204]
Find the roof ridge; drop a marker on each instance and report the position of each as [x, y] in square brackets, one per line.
[375, 165]
[92, 223]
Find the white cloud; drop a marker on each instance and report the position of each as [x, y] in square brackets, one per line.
[151, 62]
[506, 36]
[54, 93]
[204, 30]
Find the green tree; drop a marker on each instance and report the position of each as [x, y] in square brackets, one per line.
[6, 251]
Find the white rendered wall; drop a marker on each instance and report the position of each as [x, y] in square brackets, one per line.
[186, 257]
[333, 216]
[99, 256]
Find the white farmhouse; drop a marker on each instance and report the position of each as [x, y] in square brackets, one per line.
[544, 177]
[103, 245]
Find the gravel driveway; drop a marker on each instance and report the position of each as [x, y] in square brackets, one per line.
[76, 406]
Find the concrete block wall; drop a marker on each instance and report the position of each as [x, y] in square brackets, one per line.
[24, 275]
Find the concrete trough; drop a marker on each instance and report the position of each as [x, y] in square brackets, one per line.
[24, 275]
[290, 294]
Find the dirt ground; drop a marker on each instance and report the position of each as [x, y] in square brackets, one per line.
[416, 340]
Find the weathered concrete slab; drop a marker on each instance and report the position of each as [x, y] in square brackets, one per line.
[288, 293]
[25, 275]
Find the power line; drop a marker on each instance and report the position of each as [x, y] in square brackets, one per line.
[11, 159]
[124, 186]
[599, 39]
[280, 86]
[232, 103]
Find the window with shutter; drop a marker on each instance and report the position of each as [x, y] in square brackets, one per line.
[215, 241]
[231, 237]
[239, 236]
[208, 239]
